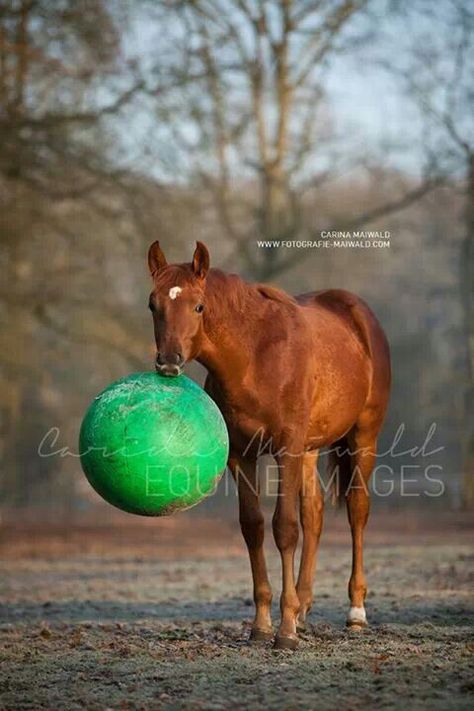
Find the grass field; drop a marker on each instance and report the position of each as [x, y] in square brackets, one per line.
[155, 616]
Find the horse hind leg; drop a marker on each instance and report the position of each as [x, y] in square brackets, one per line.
[311, 515]
[363, 446]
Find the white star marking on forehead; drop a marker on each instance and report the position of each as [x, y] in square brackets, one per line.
[174, 292]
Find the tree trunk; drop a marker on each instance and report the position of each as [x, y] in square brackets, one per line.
[22, 56]
[467, 294]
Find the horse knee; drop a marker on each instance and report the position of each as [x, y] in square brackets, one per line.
[285, 530]
[252, 527]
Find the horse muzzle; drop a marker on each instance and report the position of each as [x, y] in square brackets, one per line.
[169, 364]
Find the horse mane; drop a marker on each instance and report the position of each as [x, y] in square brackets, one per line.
[275, 294]
[240, 294]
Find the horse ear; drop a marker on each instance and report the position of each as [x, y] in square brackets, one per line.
[201, 260]
[156, 258]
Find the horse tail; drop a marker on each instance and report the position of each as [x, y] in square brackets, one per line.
[339, 470]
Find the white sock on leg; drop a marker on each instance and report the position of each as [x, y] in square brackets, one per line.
[357, 616]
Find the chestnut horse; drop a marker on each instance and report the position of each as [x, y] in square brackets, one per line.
[299, 373]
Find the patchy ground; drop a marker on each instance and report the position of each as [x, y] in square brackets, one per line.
[155, 617]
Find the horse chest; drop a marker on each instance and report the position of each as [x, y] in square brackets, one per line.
[245, 422]
[251, 420]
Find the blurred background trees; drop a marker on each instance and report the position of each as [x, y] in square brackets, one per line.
[126, 121]
[436, 68]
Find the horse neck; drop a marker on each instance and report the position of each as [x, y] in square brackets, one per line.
[227, 349]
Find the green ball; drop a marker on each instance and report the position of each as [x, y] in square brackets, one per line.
[152, 444]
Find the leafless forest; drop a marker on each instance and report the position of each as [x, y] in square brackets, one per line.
[233, 122]
[126, 121]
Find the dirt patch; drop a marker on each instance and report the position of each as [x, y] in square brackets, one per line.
[130, 628]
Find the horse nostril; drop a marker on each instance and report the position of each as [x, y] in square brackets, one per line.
[169, 359]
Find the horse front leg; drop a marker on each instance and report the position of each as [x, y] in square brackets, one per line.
[285, 531]
[252, 525]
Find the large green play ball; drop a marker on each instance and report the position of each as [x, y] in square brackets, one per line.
[152, 444]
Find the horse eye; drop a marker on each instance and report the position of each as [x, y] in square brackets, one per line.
[151, 306]
[199, 308]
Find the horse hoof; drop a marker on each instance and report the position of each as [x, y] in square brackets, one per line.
[258, 635]
[301, 626]
[356, 626]
[285, 642]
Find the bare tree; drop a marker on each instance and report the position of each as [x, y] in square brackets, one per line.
[248, 117]
[61, 73]
[62, 77]
[435, 65]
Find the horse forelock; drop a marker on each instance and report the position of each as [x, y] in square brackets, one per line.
[174, 275]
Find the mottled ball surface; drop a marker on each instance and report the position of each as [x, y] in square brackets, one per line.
[151, 445]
